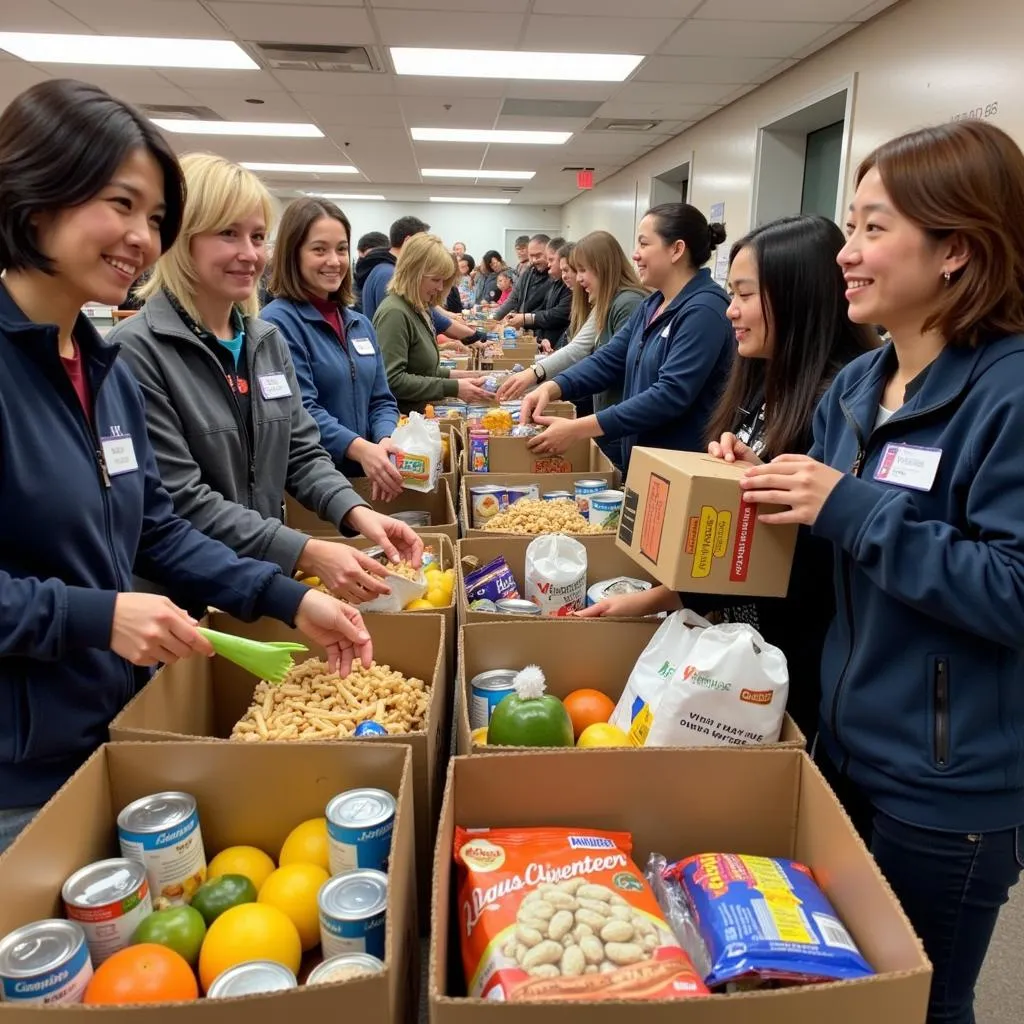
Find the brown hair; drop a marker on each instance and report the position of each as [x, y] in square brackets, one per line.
[286, 272]
[964, 178]
[601, 253]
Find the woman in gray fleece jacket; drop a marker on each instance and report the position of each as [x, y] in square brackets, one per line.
[223, 408]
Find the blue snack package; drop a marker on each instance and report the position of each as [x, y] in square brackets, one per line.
[764, 918]
[491, 582]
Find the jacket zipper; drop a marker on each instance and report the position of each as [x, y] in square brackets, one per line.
[940, 737]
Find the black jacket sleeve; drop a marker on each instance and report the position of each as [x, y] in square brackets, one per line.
[553, 318]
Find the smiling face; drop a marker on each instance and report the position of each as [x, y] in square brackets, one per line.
[228, 262]
[586, 278]
[754, 338]
[324, 257]
[463, 268]
[538, 254]
[894, 271]
[101, 246]
[567, 273]
[654, 258]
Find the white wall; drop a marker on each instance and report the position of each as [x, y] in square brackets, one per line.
[480, 226]
[922, 62]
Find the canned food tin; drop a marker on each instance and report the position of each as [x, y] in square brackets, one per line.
[108, 899]
[44, 962]
[359, 827]
[486, 691]
[369, 728]
[252, 978]
[478, 456]
[558, 496]
[509, 334]
[344, 967]
[617, 585]
[162, 832]
[606, 509]
[486, 501]
[521, 491]
[585, 488]
[516, 606]
[353, 907]
[414, 518]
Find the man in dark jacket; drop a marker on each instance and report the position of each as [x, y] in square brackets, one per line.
[552, 320]
[366, 244]
[531, 288]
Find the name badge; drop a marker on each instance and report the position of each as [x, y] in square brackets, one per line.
[363, 346]
[274, 385]
[906, 465]
[665, 332]
[119, 455]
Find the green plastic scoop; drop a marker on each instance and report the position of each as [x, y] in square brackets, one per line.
[268, 660]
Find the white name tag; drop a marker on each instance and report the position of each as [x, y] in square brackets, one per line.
[363, 346]
[906, 465]
[274, 385]
[665, 332]
[119, 455]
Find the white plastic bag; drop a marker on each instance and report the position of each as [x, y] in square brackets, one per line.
[403, 591]
[556, 574]
[699, 685]
[417, 453]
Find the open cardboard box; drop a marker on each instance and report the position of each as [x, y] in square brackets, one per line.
[437, 502]
[246, 795]
[573, 653]
[604, 561]
[543, 481]
[511, 455]
[202, 698]
[685, 521]
[682, 802]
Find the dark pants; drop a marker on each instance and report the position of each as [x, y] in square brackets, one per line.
[951, 886]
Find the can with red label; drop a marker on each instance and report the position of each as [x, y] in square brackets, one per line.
[108, 899]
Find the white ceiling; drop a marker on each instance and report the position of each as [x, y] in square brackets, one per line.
[700, 55]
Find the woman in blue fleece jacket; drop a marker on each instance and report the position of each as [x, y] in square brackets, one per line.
[337, 360]
[671, 358]
[917, 478]
[82, 505]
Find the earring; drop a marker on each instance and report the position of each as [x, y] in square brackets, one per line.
[946, 277]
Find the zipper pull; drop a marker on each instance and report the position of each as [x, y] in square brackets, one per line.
[104, 475]
[858, 462]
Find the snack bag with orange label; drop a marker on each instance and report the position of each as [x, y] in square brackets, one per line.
[765, 919]
[698, 685]
[562, 913]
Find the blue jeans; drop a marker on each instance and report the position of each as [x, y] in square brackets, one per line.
[950, 885]
[12, 821]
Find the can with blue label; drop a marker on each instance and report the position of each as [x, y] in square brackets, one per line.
[162, 832]
[353, 911]
[359, 827]
[369, 728]
[509, 334]
[584, 489]
[45, 962]
[486, 691]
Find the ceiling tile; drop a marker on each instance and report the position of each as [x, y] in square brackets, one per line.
[461, 30]
[650, 94]
[136, 85]
[368, 112]
[516, 122]
[289, 23]
[276, 106]
[665, 111]
[781, 10]
[872, 9]
[253, 83]
[675, 9]
[185, 19]
[16, 77]
[820, 42]
[743, 39]
[428, 85]
[37, 16]
[777, 69]
[287, 3]
[741, 91]
[449, 154]
[344, 87]
[596, 34]
[704, 70]
[467, 112]
[486, 6]
[523, 90]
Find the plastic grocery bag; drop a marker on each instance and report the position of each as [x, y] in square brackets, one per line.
[699, 685]
[556, 574]
[403, 592]
[417, 453]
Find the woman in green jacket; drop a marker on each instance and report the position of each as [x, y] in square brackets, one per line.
[424, 272]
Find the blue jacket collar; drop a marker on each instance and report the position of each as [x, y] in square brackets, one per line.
[309, 312]
[701, 281]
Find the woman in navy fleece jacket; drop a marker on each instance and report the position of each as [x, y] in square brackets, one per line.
[917, 477]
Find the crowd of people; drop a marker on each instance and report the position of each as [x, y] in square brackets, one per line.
[866, 378]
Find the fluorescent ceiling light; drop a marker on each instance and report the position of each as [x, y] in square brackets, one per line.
[567, 67]
[470, 199]
[301, 168]
[341, 195]
[127, 51]
[278, 129]
[489, 135]
[437, 172]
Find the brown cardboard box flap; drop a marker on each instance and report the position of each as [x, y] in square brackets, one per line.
[246, 794]
[767, 802]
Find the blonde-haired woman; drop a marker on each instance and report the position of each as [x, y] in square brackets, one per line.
[223, 408]
[424, 272]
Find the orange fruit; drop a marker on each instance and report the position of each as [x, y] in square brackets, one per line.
[146, 973]
[587, 707]
[250, 931]
[293, 889]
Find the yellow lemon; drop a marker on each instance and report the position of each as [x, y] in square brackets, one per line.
[251, 931]
[293, 890]
[480, 736]
[438, 598]
[418, 605]
[601, 734]
[430, 568]
[242, 860]
[306, 844]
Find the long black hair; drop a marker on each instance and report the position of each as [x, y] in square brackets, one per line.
[802, 298]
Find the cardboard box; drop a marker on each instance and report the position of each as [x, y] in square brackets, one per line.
[544, 481]
[524, 361]
[513, 455]
[437, 502]
[573, 653]
[684, 521]
[604, 561]
[246, 794]
[203, 699]
[679, 803]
